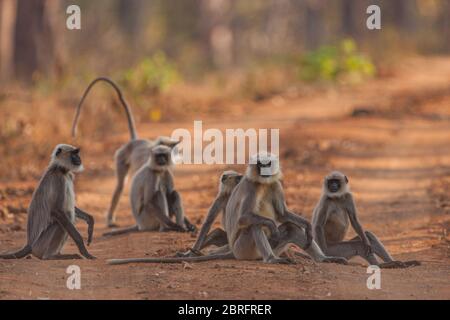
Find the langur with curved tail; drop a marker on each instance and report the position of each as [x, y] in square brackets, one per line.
[154, 200]
[131, 156]
[257, 221]
[333, 215]
[52, 211]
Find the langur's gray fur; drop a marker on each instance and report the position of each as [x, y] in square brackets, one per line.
[131, 156]
[52, 211]
[256, 220]
[333, 215]
[153, 197]
[228, 181]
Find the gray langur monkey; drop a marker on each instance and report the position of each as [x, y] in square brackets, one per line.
[257, 221]
[228, 181]
[153, 198]
[131, 156]
[333, 215]
[52, 211]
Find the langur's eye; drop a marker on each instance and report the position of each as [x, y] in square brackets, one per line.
[58, 151]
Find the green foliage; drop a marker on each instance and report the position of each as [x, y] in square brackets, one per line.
[336, 63]
[154, 75]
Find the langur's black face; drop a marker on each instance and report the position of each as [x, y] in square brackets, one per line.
[264, 168]
[225, 178]
[162, 159]
[75, 157]
[334, 185]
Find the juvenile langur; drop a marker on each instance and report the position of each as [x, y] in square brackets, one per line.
[257, 221]
[153, 197]
[131, 156]
[228, 181]
[333, 215]
[52, 211]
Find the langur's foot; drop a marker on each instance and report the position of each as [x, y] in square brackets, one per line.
[189, 253]
[111, 224]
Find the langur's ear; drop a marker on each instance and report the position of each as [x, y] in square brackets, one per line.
[346, 179]
[224, 177]
[58, 152]
[175, 143]
[239, 177]
[171, 143]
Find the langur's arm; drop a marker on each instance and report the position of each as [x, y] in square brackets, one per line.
[353, 215]
[67, 225]
[321, 216]
[248, 216]
[217, 206]
[89, 220]
[159, 201]
[285, 215]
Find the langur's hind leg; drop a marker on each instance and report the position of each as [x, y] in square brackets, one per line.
[122, 168]
[381, 251]
[292, 234]
[217, 237]
[253, 243]
[350, 249]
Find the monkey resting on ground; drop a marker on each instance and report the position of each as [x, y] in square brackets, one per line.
[153, 197]
[52, 212]
[131, 156]
[228, 181]
[332, 216]
[257, 221]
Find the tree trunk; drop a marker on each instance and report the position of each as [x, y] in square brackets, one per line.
[217, 34]
[405, 14]
[314, 23]
[7, 22]
[35, 49]
[130, 17]
[353, 17]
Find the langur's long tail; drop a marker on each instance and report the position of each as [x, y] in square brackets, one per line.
[223, 256]
[18, 254]
[130, 118]
[122, 231]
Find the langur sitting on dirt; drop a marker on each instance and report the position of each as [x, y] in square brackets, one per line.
[332, 217]
[258, 224]
[52, 211]
[154, 199]
[131, 156]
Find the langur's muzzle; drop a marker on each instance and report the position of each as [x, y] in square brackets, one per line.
[334, 185]
[161, 160]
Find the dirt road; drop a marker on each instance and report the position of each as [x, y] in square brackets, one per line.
[397, 156]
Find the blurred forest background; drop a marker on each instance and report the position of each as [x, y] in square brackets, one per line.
[202, 35]
[187, 57]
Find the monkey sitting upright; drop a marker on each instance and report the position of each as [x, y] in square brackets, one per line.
[132, 155]
[153, 197]
[332, 216]
[257, 221]
[52, 211]
[228, 181]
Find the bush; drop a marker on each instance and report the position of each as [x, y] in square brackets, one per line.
[153, 75]
[336, 63]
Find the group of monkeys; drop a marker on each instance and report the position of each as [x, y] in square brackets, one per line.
[257, 223]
